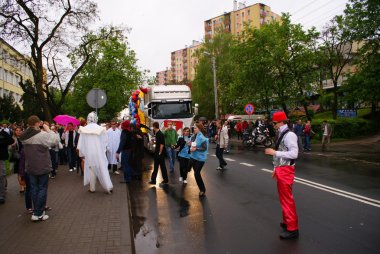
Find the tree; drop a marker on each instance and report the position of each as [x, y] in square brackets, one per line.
[31, 103]
[111, 67]
[363, 19]
[9, 109]
[337, 46]
[49, 29]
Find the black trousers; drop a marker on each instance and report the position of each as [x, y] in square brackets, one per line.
[197, 167]
[219, 155]
[183, 167]
[159, 161]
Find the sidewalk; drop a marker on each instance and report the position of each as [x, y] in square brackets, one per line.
[366, 150]
[79, 222]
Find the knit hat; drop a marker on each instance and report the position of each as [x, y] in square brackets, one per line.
[126, 125]
[92, 117]
[279, 116]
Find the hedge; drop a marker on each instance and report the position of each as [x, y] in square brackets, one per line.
[346, 127]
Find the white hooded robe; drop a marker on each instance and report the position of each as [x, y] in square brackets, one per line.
[113, 145]
[92, 145]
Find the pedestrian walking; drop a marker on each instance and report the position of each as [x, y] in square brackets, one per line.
[37, 162]
[198, 156]
[326, 135]
[159, 158]
[5, 140]
[171, 137]
[69, 137]
[92, 147]
[125, 148]
[54, 151]
[298, 130]
[16, 152]
[137, 152]
[222, 140]
[307, 131]
[183, 154]
[284, 156]
[113, 134]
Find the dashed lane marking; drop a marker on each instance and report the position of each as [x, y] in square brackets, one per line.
[247, 164]
[342, 193]
[228, 159]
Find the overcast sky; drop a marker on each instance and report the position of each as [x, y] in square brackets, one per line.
[162, 26]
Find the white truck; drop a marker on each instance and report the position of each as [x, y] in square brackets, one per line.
[167, 103]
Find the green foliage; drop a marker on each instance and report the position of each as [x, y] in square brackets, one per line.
[112, 67]
[346, 127]
[9, 109]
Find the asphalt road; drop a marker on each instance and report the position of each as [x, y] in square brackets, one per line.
[338, 204]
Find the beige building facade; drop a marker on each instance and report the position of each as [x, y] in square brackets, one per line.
[13, 69]
[234, 22]
[164, 77]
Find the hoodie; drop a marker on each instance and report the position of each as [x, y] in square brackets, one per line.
[36, 146]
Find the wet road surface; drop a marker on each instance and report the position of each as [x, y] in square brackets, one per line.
[241, 211]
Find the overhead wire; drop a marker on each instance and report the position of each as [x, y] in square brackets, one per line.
[319, 8]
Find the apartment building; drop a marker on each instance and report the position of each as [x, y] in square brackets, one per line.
[13, 69]
[164, 77]
[233, 22]
[179, 66]
[193, 59]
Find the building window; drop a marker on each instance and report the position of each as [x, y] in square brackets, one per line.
[249, 12]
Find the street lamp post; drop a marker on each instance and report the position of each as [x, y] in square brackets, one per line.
[215, 84]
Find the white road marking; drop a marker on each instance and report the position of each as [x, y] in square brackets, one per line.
[342, 193]
[228, 159]
[247, 164]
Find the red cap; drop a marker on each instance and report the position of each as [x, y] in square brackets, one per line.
[279, 116]
[126, 125]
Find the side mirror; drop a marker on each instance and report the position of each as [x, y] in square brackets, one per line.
[196, 108]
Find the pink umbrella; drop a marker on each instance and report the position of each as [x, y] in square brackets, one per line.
[66, 119]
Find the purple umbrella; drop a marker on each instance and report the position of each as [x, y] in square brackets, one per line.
[66, 119]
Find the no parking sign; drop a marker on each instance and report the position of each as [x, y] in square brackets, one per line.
[249, 109]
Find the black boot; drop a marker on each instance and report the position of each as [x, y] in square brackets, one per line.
[289, 234]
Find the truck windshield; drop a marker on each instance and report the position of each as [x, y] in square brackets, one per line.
[171, 110]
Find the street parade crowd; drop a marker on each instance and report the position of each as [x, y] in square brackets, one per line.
[96, 151]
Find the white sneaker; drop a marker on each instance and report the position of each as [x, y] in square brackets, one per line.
[184, 181]
[181, 179]
[75, 168]
[40, 218]
[71, 170]
[116, 172]
[219, 168]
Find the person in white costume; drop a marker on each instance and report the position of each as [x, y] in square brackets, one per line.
[92, 146]
[113, 134]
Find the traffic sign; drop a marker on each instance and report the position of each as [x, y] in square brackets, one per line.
[249, 109]
[96, 98]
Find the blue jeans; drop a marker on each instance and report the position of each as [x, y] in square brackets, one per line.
[307, 145]
[171, 152]
[127, 169]
[39, 186]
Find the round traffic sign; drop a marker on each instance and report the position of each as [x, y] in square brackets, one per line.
[96, 98]
[249, 109]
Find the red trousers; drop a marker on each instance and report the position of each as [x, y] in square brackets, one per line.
[285, 179]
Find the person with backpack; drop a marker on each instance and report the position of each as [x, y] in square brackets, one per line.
[284, 156]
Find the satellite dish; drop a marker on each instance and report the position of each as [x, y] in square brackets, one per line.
[96, 98]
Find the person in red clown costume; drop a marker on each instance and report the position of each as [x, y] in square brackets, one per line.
[284, 156]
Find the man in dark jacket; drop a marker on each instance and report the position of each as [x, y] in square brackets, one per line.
[159, 157]
[5, 141]
[37, 162]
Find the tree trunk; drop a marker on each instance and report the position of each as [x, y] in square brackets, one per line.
[39, 87]
[373, 107]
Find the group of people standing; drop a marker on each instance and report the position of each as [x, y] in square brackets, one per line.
[191, 149]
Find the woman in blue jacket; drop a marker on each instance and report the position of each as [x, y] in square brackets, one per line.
[183, 146]
[198, 156]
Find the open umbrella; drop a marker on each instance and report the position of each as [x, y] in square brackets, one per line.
[66, 119]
